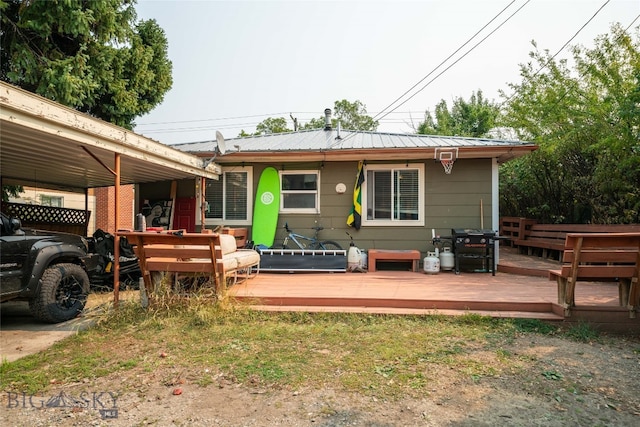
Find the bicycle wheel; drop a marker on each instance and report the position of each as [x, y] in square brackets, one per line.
[328, 245]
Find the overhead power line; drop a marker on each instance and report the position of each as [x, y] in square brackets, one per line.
[382, 113]
[562, 48]
[460, 58]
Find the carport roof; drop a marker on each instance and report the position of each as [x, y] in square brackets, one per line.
[45, 144]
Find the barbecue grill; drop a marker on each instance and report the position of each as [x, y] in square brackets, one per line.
[474, 244]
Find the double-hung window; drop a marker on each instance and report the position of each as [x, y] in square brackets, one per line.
[393, 195]
[54, 201]
[229, 199]
[299, 191]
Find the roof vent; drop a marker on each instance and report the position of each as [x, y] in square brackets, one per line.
[327, 119]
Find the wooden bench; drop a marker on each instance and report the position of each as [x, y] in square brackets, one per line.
[514, 228]
[600, 257]
[548, 240]
[209, 255]
[393, 255]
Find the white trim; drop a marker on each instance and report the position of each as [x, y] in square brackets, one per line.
[495, 205]
[315, 210]
[421, 196]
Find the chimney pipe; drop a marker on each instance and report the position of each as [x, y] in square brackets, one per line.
[327, 119]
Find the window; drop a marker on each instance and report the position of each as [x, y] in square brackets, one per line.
[299, 191]
[54, 201]
[229, 199]
[393, 195]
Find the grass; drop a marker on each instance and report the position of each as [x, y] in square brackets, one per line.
[382, 355]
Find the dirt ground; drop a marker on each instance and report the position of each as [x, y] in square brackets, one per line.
[567, 384]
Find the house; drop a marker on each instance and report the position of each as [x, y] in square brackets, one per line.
[406, 192]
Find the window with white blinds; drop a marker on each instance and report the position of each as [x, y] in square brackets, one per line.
[229, 198]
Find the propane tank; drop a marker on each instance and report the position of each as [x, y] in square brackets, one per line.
[431, 263]
[447, 259]
[354, 257]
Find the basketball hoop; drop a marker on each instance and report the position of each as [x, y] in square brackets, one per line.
[446, 157]
[447, 165]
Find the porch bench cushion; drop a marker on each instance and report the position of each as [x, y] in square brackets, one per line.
[234, 259]
[237, 259]
[244, 258]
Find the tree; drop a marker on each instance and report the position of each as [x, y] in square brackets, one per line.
[11, 191]
[586, 120]
[89, 55]
[272, 125]
[473, 119]
[351, 115]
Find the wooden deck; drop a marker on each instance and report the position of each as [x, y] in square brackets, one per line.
[529, 294]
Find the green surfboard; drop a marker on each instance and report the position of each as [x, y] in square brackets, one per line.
[265, 210]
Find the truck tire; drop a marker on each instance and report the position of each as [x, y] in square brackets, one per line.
[63, 293]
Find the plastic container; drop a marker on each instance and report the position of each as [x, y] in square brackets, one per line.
[354, 257]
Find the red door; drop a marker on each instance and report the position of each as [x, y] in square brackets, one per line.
[185, 214]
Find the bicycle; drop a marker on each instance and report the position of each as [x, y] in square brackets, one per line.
[305, 242]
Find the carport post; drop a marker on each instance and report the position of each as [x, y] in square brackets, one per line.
[116, 241]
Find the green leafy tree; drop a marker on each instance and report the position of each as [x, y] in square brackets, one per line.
[351, 115]
[10, 191]
[473, 118]
[272, 125]
[586, 120]
[89, 55]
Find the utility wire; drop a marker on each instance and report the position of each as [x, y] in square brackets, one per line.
[382, 113]
[459, 59]
[380, 116]
[561, 49]
[215, 119]
[573, 83]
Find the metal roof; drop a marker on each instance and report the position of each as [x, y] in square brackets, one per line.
[45, 144]
[351, 145]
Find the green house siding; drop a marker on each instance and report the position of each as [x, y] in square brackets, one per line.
[451, 201]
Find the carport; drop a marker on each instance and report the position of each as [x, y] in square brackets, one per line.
[48, 145]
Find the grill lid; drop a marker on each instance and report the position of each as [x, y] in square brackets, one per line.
[461, 232]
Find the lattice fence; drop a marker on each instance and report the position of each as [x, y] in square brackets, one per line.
[49, 218]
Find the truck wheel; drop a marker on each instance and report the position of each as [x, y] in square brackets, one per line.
[63, 293]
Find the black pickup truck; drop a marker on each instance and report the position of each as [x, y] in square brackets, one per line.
[49, 269]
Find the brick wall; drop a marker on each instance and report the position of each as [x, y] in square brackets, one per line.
[105, 199]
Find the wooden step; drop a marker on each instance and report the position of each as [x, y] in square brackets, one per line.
[398, 303]
[406, 311]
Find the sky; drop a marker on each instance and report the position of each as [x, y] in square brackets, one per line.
[236, 63]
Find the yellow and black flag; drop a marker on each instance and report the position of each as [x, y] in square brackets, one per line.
[355, 217]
